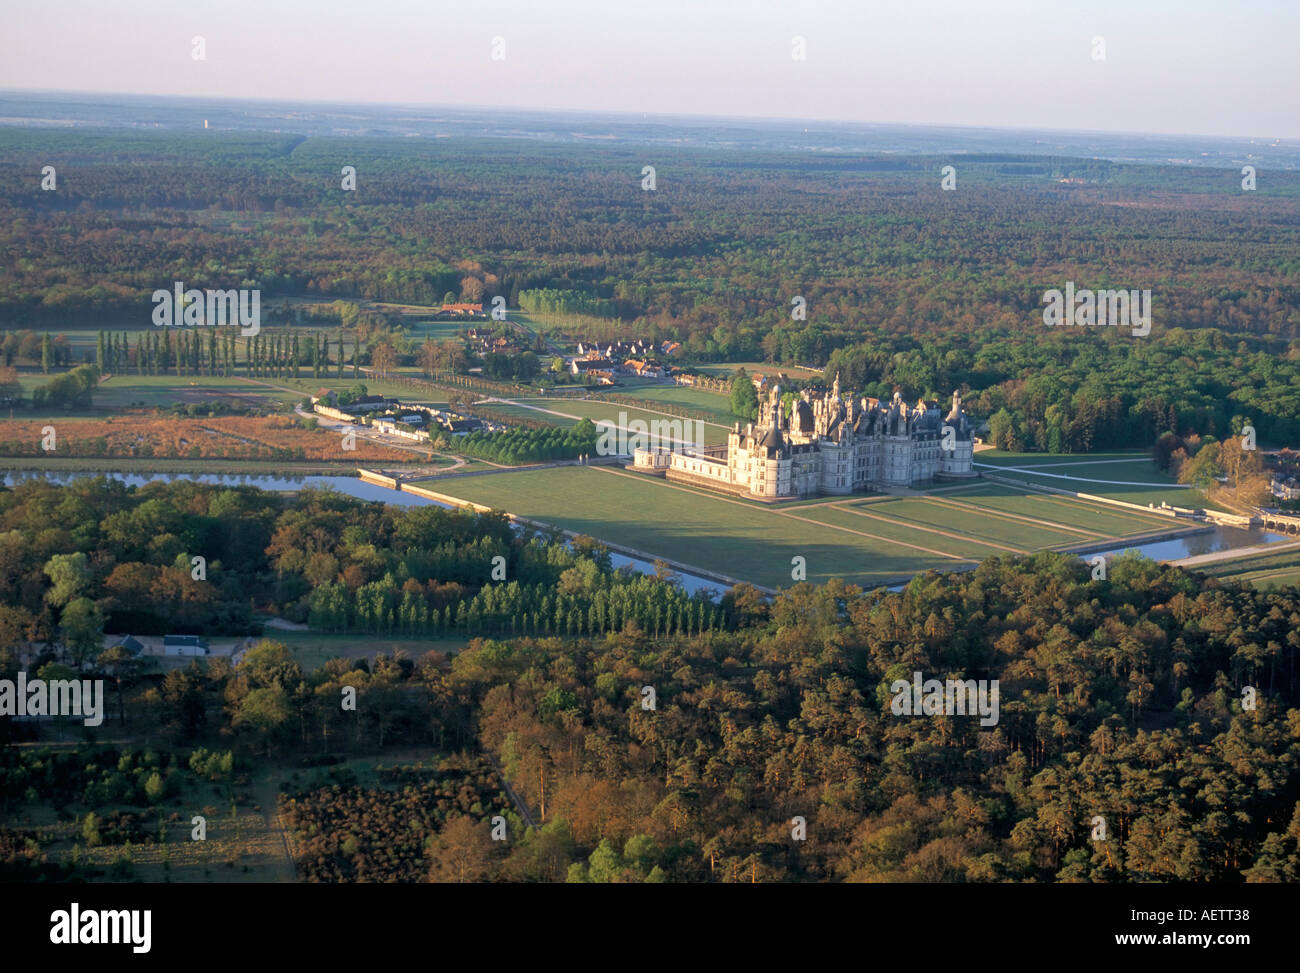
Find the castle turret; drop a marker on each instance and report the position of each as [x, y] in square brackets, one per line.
[958, 446]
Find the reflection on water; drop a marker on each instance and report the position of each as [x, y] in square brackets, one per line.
[1206, 542]
[350, 485]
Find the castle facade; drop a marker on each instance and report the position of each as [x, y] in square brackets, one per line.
[829, 445]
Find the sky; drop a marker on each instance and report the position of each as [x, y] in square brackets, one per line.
[1170, 66]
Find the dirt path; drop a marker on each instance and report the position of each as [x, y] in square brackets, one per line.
[266, 791]
[524, 813]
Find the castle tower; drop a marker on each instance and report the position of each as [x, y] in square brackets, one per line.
[957, 443]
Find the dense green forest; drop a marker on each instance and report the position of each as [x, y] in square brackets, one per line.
[725, 242]
[1076, 393]
[1162, 701]
[123, 557]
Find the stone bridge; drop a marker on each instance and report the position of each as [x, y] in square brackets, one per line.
[1280, 522]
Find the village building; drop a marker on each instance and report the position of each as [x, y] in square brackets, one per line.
[581, 366]
[1287, 488]
[643, 368]
[460, 311]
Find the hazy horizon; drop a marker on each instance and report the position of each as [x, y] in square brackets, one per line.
[1195, 68]
[633, 115]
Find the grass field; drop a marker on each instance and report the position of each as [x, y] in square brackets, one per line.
[374, 386]
[713, 532]
[596, 410]
[1268, 570]
[314, 649]
[440, 330]
[1129, 476]
[864, 540]
[1080, 520]
[758, 368]
[241, 844]
[128, 391]
[712, 404]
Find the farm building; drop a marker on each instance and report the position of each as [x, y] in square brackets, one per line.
[130, 643]
[184, 645]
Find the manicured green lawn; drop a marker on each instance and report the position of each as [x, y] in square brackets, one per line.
[963, 545]
[597, 410]
[979, 522]
[1082, 515]
[713, 404]
[740, 540]
[1128, 474]
[756, 542]
[440, 330]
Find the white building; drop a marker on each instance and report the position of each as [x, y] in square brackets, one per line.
[828, 445]
[184, 645]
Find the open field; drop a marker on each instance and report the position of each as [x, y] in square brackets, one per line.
[713, 532]
[314, 649]
[1080, 519]
[243, 842]
[758, 368]
[221, 437]
[879, 520]
[125, 391]
[301, 388]
[1128, 476]
[554, 324]
[864, 540]
[560, 412]
[1267, 570]
[439, 330]
[713, 404]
